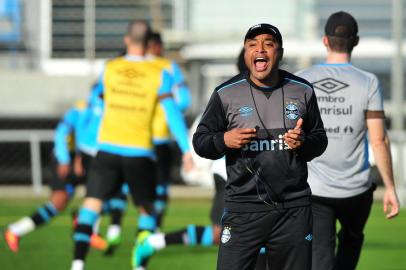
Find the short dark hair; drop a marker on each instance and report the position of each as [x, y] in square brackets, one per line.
[242, 67]
[341, 30]
[139, 31]
[341, 24]
[342, 45]
[156, 38]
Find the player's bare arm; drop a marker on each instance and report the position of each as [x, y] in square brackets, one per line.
[63, 170]
[187, 161]
[381, 147]
[77, 166]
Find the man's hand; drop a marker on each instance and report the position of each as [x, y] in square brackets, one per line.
[238, 137]
[78, 167]
[390, 203]
[62, 170]
[295, 137]
[187, 162]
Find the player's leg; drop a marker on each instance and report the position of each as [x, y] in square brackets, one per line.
[101, 183]
[81, 166]
[352, 215]
[164, 164]
[290, 243]
[41, 216]
[324, 233]
[96, 240]
[217, 212]
[88, 216]
[59, 198]
[147, 244]
[192, 234]
[243, 235]
[117, 206]
[217, 208]
[140, 174]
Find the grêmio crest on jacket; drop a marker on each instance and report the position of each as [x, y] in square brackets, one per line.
[292, 110]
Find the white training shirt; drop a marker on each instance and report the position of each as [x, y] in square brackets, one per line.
[344, 94]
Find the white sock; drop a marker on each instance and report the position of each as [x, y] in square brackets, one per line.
[78, 265]
[113, 231]
[96, 226]
[22, 227]
[157, 240]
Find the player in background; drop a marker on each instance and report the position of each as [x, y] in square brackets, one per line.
[131, 87]
[162, 139]
[351, 106]
[86, 128]
[70, 161]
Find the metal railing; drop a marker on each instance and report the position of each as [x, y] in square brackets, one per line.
[34, 138]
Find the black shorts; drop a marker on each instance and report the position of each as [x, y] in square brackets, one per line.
[108, 172]
[164, 155]
[86, 162]
[285, 233]
[217, 208]
[71, 181]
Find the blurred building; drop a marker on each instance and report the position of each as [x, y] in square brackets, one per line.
[67, 41]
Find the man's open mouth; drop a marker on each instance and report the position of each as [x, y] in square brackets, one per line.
[260, 64]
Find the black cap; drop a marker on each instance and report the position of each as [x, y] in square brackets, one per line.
[341, 24]
[264, 28]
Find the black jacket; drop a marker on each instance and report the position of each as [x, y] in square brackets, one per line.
[265, 169]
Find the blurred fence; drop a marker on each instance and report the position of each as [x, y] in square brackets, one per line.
[24, 154]
[25, 158]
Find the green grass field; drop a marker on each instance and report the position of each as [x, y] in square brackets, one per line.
[51, 247]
